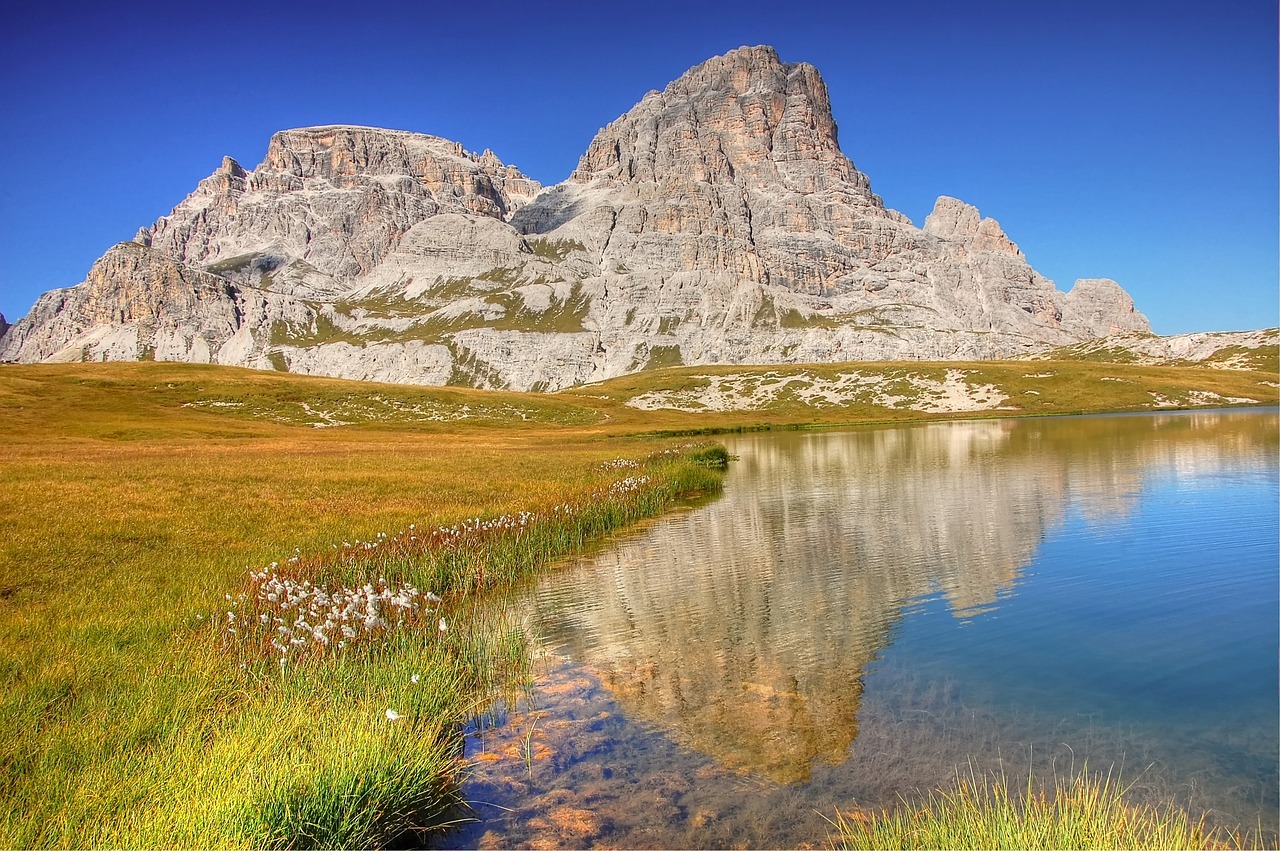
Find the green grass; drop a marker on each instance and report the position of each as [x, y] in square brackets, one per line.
[1038, 388]
[232, 264]
[128, 719]
[323, 331]
[795, 319]
[506, 275]
[429, 326]
[137, 496]
[661, 357]
[555, 250]
[1085, 811]
[1261, 358]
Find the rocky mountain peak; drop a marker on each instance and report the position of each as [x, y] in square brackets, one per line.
[956, 221]
[348, 156]
[733, 169]
[717, 221]
[1100, 307]
[744, 117]
[231, 168]
[328, 203]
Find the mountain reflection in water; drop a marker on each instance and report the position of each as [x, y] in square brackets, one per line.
[862, 614]
[743, 628]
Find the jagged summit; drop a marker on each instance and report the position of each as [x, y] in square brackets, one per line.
[734, 167]
[717, 221]
[953, 219]
[327, 204]
[744, 117]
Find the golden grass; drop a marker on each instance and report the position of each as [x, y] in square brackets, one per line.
[137, 495]
[1033, 388]
[129, 516]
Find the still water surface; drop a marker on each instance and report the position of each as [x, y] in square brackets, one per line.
[862, 612]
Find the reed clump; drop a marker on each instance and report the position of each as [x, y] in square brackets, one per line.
[382, 639]
[1083, 811]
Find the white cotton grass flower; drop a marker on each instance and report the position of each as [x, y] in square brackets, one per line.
[414, 679]
[298, 616]
[392, 715]
[444, 627]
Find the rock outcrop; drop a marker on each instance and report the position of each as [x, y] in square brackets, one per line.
[1255, 350]
[718, 221]
[328, 204]
[140, 304]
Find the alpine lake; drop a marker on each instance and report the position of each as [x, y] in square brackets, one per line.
[863, 614]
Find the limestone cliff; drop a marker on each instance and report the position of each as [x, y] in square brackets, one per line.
[140, 304]
[328, 203]
[718, 221]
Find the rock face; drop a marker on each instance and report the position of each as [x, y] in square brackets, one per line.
[141, 304]
[717, 221]
[327, 205]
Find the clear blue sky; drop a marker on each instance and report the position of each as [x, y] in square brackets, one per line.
[1131, 140]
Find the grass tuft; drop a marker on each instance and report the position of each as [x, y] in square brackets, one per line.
[1086, 811]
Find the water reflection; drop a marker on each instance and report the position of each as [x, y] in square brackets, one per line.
[743, 628]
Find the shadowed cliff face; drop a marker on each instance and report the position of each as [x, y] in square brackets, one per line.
[743, 628]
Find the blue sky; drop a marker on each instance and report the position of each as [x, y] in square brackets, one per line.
[1131, 140]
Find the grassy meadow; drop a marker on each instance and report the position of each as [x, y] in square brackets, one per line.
[131, 516]
[186, 547]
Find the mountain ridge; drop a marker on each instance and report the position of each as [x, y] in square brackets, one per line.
[717, 221]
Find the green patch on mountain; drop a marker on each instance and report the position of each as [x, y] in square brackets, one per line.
[661, 357]
[506, 275]
[234, 264]
[766, 315]
[1091, 352]
[378, 305]
[870, 318]
[446, 290]
[469, 371]
[1261, 358]
[555, 250]
[322, 332]
[795, 319]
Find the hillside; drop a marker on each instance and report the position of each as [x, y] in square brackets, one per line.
[153, 401]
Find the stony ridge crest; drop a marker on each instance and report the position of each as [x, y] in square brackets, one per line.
[717, 221]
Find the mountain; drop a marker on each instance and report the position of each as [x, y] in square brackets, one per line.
[717, 221]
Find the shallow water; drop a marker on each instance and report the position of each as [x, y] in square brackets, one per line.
[864, 613]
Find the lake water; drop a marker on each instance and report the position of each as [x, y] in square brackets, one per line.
[863, 613]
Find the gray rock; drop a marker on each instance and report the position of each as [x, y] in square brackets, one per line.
[140, 304]
[717, 221]
[328, 204]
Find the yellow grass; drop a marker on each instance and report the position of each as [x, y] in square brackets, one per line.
[129, 516]
[137, 495]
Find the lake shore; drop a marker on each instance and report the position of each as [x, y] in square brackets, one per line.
[140, 496]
